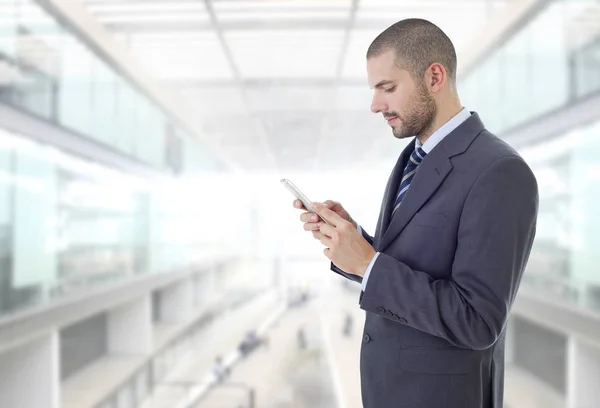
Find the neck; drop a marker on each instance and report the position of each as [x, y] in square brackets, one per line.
[443, 116]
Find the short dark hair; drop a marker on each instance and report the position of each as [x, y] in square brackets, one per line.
[418, 43]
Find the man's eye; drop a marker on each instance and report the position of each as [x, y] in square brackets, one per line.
[390, 90]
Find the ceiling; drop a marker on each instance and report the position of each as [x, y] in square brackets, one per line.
[279, 84]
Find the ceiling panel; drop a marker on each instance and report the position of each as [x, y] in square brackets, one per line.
[287, 102]
[111, 11]
[181, 55]
[460, 19]
[285, 54]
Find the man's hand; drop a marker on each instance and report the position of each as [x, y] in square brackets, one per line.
[312, 222]
[346, 247]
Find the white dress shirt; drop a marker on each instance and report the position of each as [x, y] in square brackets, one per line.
[427, 147]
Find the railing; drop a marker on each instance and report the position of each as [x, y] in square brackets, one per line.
[573, 291]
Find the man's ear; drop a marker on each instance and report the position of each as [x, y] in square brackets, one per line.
[435, 77]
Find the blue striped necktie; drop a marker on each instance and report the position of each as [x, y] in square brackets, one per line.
[416, 158]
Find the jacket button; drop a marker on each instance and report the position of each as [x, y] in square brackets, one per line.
[380, 310]
[366, 338]
[388, 313]
[400, 319]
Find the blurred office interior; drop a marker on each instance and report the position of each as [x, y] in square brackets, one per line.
[144, 233]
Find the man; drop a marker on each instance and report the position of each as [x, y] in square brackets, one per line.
[453, 237]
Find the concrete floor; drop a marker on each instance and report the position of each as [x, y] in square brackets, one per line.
[281, 374]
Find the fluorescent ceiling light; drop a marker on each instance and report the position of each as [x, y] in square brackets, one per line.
[206, 39]
[431, 4]
[284, 15]
[159, 46]
[147, 6]
[173, 36]
[278, 5]
[430, 14]
[156, 18]
[282, 36]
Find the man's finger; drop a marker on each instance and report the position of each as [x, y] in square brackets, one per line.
[312, 226]
[309, 217]
[298, 204]
[326, 230]
[326, 241]
[328, 215]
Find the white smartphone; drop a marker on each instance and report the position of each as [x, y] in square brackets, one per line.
[299, 195]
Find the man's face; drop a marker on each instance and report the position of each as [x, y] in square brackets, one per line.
[407, 105]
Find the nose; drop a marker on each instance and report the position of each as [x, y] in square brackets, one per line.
[377, 105]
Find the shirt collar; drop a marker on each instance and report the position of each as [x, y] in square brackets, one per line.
[443, 131]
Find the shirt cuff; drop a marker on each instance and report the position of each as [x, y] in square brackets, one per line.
[368, 272]
[359, 229]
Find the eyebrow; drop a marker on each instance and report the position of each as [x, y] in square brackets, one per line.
[382, 83]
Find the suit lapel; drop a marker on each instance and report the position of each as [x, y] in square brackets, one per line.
[428, 178]
[431, 173]
[391, 189]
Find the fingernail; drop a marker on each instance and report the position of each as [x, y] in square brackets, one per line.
[314, 218]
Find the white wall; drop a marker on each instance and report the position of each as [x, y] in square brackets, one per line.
[29, 375]
[130, 328]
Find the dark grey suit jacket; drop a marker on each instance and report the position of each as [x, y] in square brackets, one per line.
[450, 263]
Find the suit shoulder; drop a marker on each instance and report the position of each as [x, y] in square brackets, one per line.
[488, 149]
[501, 158]
[489, 144]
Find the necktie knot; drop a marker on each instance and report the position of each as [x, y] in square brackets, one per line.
[417, 156]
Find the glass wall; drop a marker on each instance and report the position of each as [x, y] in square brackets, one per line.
[68, 225]
[549, 63]
[553, 60]
[565, 255]
[46, 70]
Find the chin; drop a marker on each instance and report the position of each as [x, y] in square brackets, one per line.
[400, 134]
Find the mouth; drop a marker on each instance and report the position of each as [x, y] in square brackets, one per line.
[391, 120]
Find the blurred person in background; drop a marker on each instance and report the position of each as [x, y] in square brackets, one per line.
[220, 371]
[348, 324]
[301, 338]
[454, 234]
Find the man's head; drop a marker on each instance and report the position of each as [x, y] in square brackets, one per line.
[412, 67]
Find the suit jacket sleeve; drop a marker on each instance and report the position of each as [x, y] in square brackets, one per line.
[495, 234]
[350, 276]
